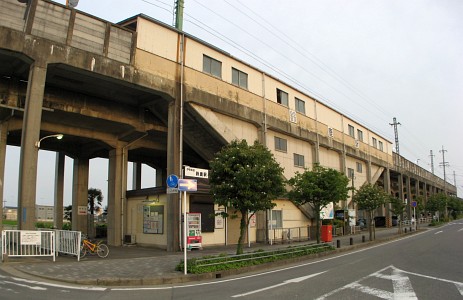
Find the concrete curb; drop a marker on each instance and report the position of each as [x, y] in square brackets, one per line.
[178, 277]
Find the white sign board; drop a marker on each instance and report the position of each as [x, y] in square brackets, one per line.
[352, 217]
[327, 212]
[30, 238]
[82, 210]
[196, 172]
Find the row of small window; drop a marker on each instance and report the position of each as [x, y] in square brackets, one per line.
[214, 67]
[350, 171]
[282, 145]
[375, 143]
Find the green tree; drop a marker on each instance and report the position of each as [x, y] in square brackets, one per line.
[455, 207]
[247, 179]
[397, 209]
[318, 188]
[68, 213]
[370, 197]
[95, 199]
[437, 203]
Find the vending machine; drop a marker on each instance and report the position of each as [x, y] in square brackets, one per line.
[193, 227]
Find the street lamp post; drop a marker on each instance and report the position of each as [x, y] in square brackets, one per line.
[58, 136]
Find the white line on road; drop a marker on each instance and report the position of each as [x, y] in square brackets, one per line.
[294, 280]
[87, 288]
[460, 229]
[270, 272]
[438, 232]
[38, 288]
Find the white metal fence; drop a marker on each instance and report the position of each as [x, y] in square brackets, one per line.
[16, 243]
[68, 242]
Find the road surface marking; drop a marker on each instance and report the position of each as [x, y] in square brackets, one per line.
[38, 288]
[438, 232]
[87, 288]
[402, 286]
[294, 280]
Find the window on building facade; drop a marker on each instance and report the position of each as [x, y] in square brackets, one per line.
[360, 135]
[350, 173]
[380, 144]
[277, 219]
[374, 142]
[359, 167]
[212, 66]
[282, 97]
[281, 144]
[239, 78]
[298, 160]
[300, 105]
[351, 131]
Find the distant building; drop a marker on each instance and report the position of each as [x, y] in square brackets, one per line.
[44, 213]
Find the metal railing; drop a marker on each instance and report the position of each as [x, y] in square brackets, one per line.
[287, 235]
[21, 243]
[60, 242]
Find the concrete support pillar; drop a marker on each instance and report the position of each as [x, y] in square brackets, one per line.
[136, 176]
[409, 197]
[173, 167]
[387, 189]
[116, 195]
[80, 195]
[59, 191]
[29, 152]
[369, 172]
[316, 153]
[3, 135]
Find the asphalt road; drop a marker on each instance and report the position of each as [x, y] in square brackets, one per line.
[422, 266]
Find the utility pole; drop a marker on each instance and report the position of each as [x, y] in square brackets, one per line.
[444, 164]
[432, 162]
[396, 133]
[179, 14]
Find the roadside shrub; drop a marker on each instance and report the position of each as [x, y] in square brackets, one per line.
[222, 262]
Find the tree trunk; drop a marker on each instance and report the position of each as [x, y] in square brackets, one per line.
[243, 227]
[318, 221]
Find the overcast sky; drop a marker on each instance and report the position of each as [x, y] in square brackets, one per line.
[370, 59]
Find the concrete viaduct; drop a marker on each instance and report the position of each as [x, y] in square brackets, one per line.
[63, 71]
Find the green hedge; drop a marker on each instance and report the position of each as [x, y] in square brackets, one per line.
[227, 262]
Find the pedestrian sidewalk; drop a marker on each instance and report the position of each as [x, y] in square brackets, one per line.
[137, 266]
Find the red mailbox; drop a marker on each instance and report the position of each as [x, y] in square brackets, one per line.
[327, 233]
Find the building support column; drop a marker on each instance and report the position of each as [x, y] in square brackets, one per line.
[59, 191]
[29, 152]
[3, 135]
[387, 190]
[80, 195]
[173, 167]
[409, 197]
[116, 196]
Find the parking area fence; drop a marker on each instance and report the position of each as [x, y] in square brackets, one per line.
[22, 243]
[43, 242]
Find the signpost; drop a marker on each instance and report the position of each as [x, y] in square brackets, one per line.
[172, 182]
[186, 185]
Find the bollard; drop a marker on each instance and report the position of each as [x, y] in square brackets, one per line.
[405, 229]
[338, 244]
[363, 239]
[351, 241]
